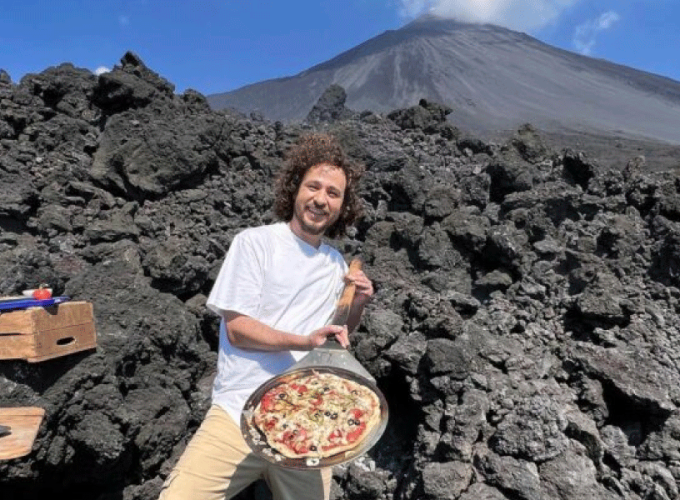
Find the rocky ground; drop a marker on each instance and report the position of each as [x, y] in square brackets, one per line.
[525, 327]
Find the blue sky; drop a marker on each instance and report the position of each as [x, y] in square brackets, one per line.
[218, 45]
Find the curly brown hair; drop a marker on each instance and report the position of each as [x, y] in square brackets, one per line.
[312, 150]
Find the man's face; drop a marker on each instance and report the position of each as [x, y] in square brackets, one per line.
[318, 202]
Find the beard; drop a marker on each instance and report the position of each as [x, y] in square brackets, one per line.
[313, 229]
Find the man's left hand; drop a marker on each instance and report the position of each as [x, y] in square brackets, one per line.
[364, 287]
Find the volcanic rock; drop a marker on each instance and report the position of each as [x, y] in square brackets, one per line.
[330, 106]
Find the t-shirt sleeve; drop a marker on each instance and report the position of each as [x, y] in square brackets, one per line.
[238, 286]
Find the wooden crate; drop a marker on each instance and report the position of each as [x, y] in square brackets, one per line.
[24, 423]
[41, 333]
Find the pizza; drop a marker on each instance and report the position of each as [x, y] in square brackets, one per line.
[316, 415]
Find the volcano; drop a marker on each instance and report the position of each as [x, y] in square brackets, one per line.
[494, 79]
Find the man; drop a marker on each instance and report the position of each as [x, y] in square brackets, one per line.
[277, 286]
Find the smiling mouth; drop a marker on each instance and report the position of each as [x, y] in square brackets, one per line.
[316, 213]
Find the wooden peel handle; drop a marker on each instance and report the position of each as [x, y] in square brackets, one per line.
[348, 293]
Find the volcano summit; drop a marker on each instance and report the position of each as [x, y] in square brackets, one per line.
[495, 79]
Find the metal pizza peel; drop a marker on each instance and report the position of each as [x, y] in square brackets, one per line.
[332, 358]
[331, 354]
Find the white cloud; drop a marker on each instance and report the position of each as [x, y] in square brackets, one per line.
[607, 20]
[101, 69]
[585, 34]
[522, 15]
[411, 8]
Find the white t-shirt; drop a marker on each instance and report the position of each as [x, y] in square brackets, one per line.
[277, 278]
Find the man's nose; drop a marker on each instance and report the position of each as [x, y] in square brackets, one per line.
[320, 198]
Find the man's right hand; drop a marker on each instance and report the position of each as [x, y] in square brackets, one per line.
[318, 337]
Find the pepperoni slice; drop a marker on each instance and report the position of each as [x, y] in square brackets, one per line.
[354, 435]
[300, 388]
[303, 448]
[268, 402]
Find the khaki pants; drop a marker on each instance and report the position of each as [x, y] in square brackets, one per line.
[217, 464]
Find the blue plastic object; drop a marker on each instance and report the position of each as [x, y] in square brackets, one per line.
[24, 303]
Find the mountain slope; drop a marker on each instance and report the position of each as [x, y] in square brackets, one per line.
[493, 78]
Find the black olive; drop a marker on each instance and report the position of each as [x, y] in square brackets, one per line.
[282, 396]
[326, 388]
[285, 426]
[334, 416]
[312, 448]
[354, 392]
[356, 422]
[350, 421]
[295, 432]
[327, 413]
